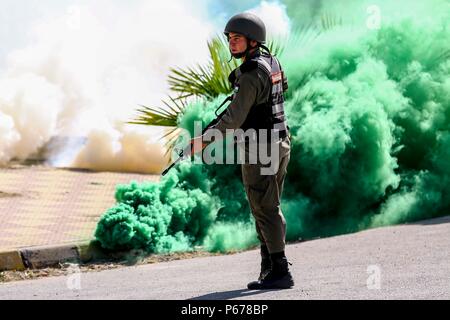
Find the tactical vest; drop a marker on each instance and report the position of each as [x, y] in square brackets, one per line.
[269, 115]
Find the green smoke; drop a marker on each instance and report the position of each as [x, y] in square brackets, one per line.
[193, 205]
[369, 112]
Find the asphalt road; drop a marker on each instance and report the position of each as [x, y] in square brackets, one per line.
[402, 262]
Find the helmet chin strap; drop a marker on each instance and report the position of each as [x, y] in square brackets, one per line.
[242, 54]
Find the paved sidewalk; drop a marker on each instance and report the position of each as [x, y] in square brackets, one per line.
[43, 206]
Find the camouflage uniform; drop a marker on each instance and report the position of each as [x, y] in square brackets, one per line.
[254, 88]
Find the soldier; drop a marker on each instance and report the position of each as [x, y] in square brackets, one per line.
[259, 84]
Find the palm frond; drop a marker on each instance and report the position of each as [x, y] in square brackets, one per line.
[172, 137]
[208, 81]
[211, 80]
[163, 118]
[436, 58]
[276, 46]
[303, 35]
[330, 21]
[158, 116]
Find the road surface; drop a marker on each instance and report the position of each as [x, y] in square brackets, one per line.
[402, 262]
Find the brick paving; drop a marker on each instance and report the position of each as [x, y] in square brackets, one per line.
[46, 206]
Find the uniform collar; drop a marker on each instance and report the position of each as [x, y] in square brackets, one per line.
[246, 66]
[254, 54]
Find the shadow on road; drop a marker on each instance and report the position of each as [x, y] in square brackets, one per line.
[226, 295]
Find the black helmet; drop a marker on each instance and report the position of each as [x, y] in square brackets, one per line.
[248, 25]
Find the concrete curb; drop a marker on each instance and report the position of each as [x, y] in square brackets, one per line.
[11, 260]
[47, 256]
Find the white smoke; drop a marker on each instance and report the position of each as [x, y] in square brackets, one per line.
[275, 18]
[29, 109]
[86, 69]
[84, 74]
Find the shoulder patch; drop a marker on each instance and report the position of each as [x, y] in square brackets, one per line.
[277, 77]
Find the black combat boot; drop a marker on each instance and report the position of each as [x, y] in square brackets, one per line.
[266, 264]
[279, 276]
